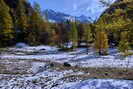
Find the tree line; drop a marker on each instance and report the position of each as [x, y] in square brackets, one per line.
[111, 30]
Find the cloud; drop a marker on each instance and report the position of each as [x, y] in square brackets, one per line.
[91, 8]
[74, 7]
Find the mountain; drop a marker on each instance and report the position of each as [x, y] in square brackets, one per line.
[89, 8]
[117, 19]
[54, 16]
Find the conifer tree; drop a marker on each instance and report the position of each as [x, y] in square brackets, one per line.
[101, 38]
[21, 21]
[101, 42]
[88, 34]
[124, 44]
[36, 25]
[6, 24]
[74, 35]
[23, 18]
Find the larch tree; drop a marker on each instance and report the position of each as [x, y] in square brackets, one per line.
[101, 37]
[124, 44]
[21, 21]
[88, 35]
[101, 42]
[6, 24]
[74, 35]
[124, 47]
[36, 25]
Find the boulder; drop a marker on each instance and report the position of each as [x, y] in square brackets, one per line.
[66, 64]
[21, 45]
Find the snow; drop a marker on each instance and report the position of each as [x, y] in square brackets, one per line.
[44, 77]
[102, 84]
[47, 79]
[42, 83]
[53, 79]
[34, 48]
[79, 57]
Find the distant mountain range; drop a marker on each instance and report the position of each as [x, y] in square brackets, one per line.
[54, 16]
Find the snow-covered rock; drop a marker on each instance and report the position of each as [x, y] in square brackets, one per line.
[21, 45]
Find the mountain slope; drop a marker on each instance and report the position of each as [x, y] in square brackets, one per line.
[126, 7]
[117, 19]
[54, 16]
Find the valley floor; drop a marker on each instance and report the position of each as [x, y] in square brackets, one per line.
[79, 57]
[44, 67]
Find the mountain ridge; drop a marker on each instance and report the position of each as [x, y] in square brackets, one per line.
[54, 16]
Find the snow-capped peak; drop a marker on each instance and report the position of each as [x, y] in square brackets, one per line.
[54, 16]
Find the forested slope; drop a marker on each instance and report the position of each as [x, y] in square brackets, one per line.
[117, 19]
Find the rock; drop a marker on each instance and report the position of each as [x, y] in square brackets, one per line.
[106, 74]
[38, 67]
[43, 49]
[51, 64]
[66, 64]
[21, 45]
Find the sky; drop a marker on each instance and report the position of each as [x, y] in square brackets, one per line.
[91, 8]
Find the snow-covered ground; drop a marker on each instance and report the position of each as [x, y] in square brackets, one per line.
[43, 82]
[101, 84]
[54, 80]
[43, 76]
[76, 58]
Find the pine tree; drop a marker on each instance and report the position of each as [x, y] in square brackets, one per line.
[21, 21]
[74, 35]
[32, 37]
[123, 47]
[101, 38]
[23, 18]
[88, 34]
[37, 25]
[101, 42]
[6, 24]
[124, 44]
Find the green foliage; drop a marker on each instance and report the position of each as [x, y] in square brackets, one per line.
[21, 22]
[124, 44]
[88, 33]
[74, 35]
[6, 24]
[37, 26]
[22, 19]
[32, 28]
[101, 42]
